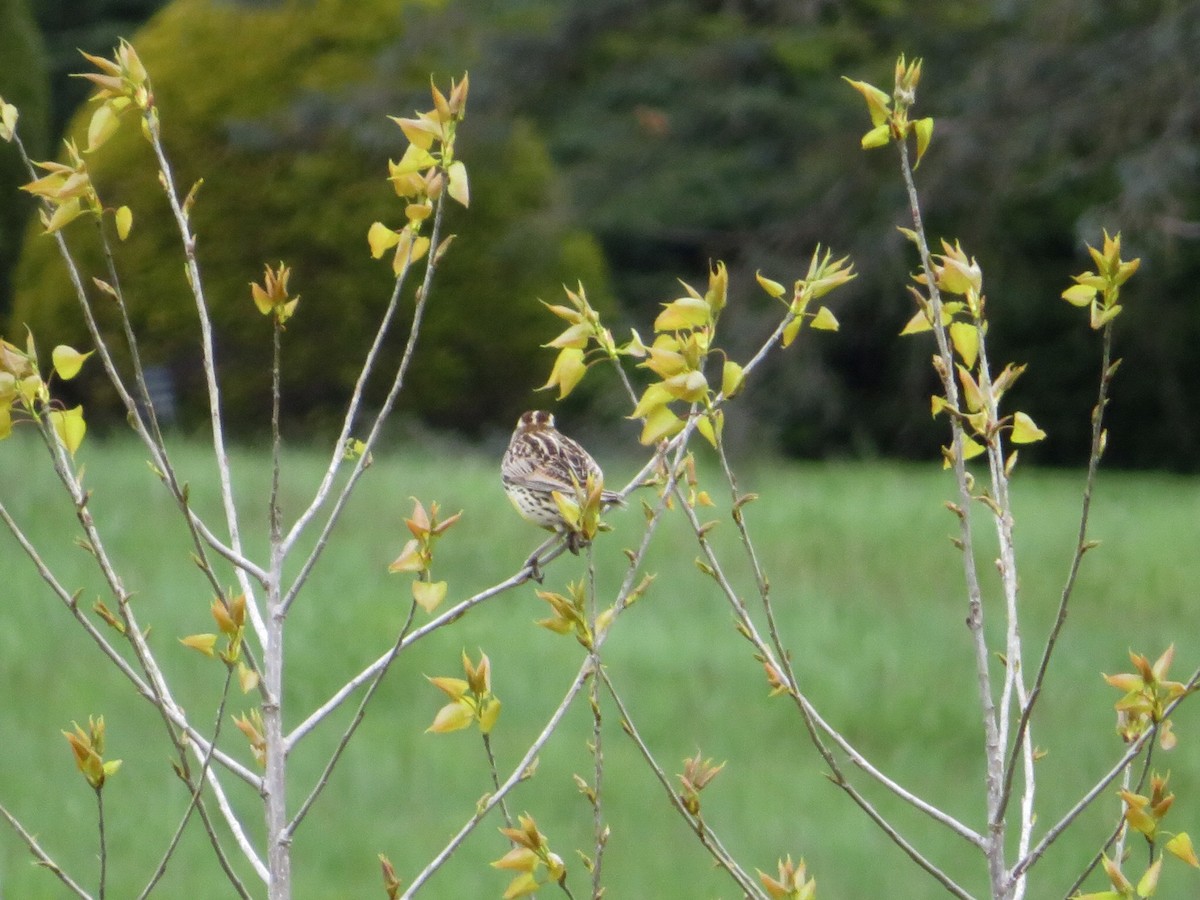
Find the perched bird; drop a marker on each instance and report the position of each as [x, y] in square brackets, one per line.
[540, 460]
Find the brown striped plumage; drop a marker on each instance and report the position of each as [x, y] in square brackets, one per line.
[540, 460]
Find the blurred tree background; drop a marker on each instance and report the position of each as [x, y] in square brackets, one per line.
[639, 141]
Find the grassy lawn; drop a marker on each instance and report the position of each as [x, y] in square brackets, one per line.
[867, 590]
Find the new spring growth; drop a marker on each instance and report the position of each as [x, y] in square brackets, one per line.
[230, 617]
[697, 774]
[964, 323]
[24, 392]
[426, 170]
[793, 882]
[417, 555]
[889, 115]
[583, 329]
[8, 121]
[1144, 814]
[271, 297]
[88, 748]
[1147, 693]
[1100, 291]
[824, 275]
[531, 857]
[471, 698]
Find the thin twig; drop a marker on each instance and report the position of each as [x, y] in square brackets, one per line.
[208, 353]
[1117, 837]
[359, 714]
[1081, 546]
[195, 803]
[381, 417]
[495, 773]
[596, 795]
[815, 721]
[157, 453]
[993, 751]
[43, 858]
[708, 839]
[103, 842]
[1087, 799]
[343, 693]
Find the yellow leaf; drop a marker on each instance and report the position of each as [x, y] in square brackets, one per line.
[261, 299]
[420, 132]
[686, 312]
[732, 378]
[70, 427]
[411, 559]
[824, 320]
[1079, 294]
[567, 508]
[718, 288]
[924, 130]
[1181, 846]
[971, 394]
[1101, 318]
[124, 219]
[459, 188]
[655, 396]
[381, 238]
[65, 214]
[453, 687]
[660, 423]
[710, 431]
[491, 712]
[5, 421]
[521, 886]
[919, 322]
[518, 859]
[68, 361]
[1148, 883]
[877, 101]
[1024, 431]
[452, 717]
[8, 120]
[879, 136]
[791, 329]
[576, 335]
[774, 288]
[429, 594]
[971, 449]
[204, 643]
[409, 249]
[247, 678]
[965, 337]
[569, 369]
[103, 125]
[687, 386]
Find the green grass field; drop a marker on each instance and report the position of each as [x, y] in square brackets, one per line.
[868, 591]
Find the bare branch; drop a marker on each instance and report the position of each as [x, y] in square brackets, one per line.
[380, 418]
[43, 858]
[708, 838]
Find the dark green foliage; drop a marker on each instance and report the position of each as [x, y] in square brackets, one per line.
[690, 130]
[23, 83]
[693, 130]
[282, 111]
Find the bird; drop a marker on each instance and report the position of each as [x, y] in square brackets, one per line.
[540, 460]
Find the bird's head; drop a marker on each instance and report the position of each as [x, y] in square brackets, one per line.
[535, 420]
